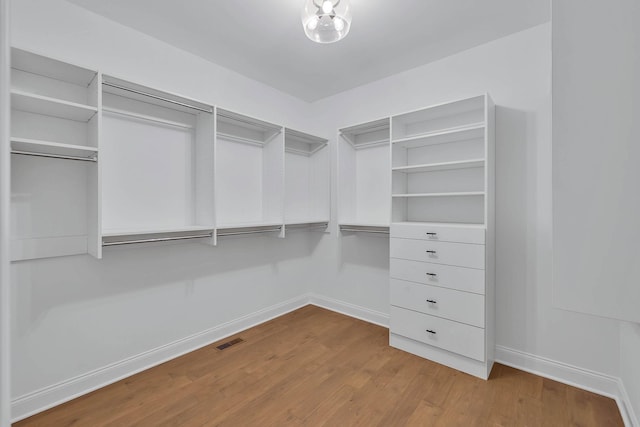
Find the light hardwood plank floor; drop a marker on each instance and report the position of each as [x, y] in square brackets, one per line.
[314, 367]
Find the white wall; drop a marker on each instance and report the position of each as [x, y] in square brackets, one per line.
[5, 190]
[72, 315]
[516, 72]
[596, 105]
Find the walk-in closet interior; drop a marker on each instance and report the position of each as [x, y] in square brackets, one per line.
[319, 212]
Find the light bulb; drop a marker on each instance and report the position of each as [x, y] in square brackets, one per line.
[338, 24]
[327, 6]
[312, 24]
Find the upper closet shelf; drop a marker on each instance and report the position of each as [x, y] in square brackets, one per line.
[296, 142]
[51, 68]
[448, 194]
[432, 167]
[47, 106]
[367, 135]
[461, 133]
[244, 129]
[115, 86]
[52, 149]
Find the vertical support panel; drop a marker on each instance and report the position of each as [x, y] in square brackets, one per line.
[5, 191]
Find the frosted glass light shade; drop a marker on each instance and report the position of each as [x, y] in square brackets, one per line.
[326, 21]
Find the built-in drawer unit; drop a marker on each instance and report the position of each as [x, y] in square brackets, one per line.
[438, 233]
[453, 336]
[462, 307]
[446, 276]
[458, 254]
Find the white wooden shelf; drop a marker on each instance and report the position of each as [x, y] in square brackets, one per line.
[51, 68]
[54, 107]
[296, 142]
[367, 135]
[432, 167]
[450, 194]
[36, 147]
[237, 127]
[461, 133]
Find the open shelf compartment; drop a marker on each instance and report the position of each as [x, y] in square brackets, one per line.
[363, 184]
[249, 172]
[307, 180]
[54, 118]
[160, 150]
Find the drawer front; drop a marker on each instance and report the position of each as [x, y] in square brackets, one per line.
[438, 233]
[446, 334]
[460, 278]
[453, 305]
[459, 254]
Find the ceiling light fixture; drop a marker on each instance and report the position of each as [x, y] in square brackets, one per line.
[326, 21]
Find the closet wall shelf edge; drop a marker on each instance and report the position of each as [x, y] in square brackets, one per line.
[432, 167]
[45, 105]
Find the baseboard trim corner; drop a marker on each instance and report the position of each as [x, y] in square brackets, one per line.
[351, 310]
[585, 379]
[56, 394]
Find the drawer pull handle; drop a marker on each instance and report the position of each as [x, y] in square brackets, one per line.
[432, 234]
[431, 252]
[432, 274]
[431, 332]
[431, 301]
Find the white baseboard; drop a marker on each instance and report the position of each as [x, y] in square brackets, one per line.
[351, 310]
[48, 397]
[567, 374]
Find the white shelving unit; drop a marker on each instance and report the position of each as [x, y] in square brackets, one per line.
[364, 180]
[307, 180]
[249, 174]
[55, 129]
[442, 234]
[159, 155]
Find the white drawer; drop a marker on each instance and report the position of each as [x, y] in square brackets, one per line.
[438, 233]
[460, 278]
[460, 254]
[446, 334]
[454, 305]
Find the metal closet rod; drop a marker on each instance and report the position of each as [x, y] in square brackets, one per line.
[139, 92]
[361, 230]
[55, 156]
[237, 233]
[159, 239]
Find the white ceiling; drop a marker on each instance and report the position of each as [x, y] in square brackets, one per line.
[264, 40]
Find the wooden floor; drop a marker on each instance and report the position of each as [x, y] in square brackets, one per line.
[314, 367]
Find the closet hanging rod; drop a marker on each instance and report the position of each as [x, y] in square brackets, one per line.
[362, 230]
[237, 233]
[159, 239]
[139, 92]
[55, 156]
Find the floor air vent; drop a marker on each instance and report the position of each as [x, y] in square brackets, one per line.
[230, 343]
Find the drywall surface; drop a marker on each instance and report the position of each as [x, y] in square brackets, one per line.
[516, 72]
[5, 196]
[595, 157]
[629, 367]
[72, 315]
